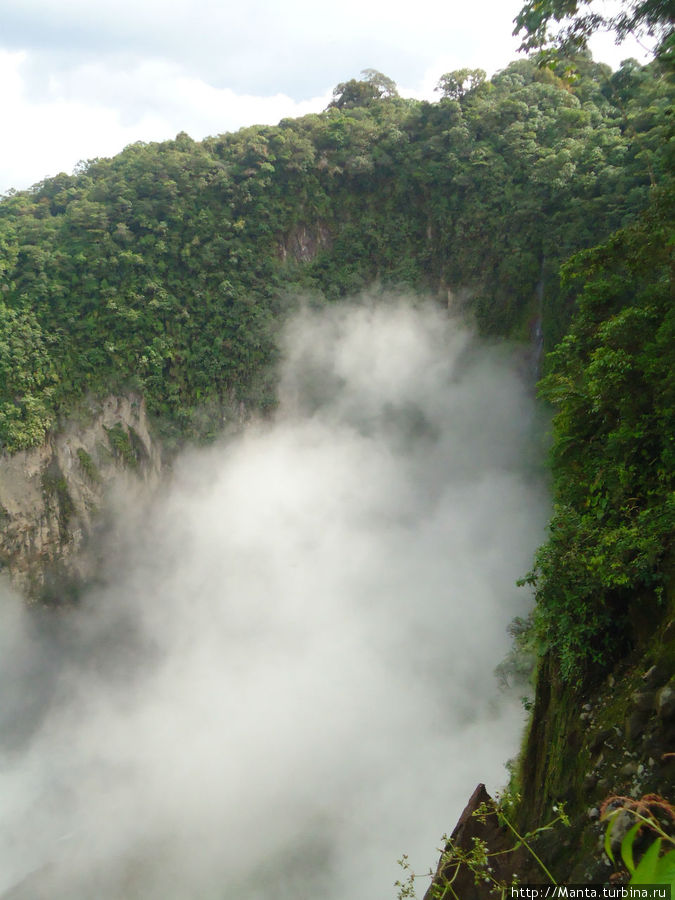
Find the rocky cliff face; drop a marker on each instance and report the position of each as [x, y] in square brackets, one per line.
[606, 745]
[52, 497]
[303, 243]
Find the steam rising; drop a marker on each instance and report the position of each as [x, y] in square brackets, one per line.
[286, 681]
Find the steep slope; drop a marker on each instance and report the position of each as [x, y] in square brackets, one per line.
[602, 730]
[162, 277]
[166, 270]
[52, 496]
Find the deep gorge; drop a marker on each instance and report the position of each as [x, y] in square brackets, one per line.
[292, 637]
[194, 408]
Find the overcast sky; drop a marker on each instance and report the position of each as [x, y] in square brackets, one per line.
[83, 79]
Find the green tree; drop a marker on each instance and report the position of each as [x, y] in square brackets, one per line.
[167, 268]
[372, 87]
[457, 84]
[610, 381]
[574, 21]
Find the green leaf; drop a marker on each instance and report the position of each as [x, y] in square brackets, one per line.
[608, 836]
[647, 870]
[627, 847]
[666, 869]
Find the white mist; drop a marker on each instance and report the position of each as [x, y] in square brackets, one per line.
[288, 680]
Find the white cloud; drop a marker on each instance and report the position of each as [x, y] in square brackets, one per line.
[96, 111]
[82, 80]
[250, 47]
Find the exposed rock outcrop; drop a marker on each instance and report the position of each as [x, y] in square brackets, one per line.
[501, 860]
[608, 745]
[51, 497]
[302, 243]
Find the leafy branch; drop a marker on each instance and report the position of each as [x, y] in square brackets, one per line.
[657, 863]
[478, 858]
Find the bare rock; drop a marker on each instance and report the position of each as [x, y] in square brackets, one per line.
[590, 780]
[469, 828]
[621, 825]
[665, 702]
[50, 496]
[653, 677]
[635, 723]
[599, 739]
[643, 700]
[303, 244]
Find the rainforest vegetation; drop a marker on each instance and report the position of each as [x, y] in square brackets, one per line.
[537, 202]
[540, 196]
[169, 265]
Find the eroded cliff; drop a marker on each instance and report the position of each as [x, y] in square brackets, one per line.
[53, 497]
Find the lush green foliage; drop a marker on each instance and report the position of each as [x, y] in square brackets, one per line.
[611, 381]
[169, 267]
[577, 20]
[372, 87]
[656, 863]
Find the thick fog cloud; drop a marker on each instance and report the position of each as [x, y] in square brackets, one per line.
[286, 680]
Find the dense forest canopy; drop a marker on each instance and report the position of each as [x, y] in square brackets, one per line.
[168, 269]
[609, 555]
[168, 266]
[538, 202]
